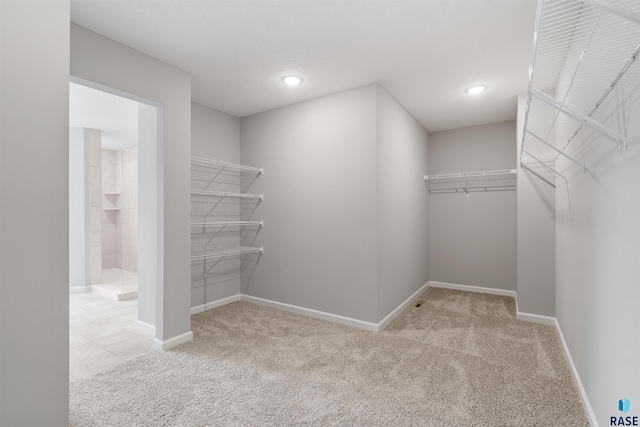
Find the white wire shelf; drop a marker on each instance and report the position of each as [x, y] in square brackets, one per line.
[222, 224]
[468, 182]
[581, 74]
[224, 253]
[227, 194]
[218, 165]
[213, 242]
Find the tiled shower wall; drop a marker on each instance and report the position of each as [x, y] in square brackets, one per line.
[120, 209]
[129, 209]
[95, 206]
[110, 216]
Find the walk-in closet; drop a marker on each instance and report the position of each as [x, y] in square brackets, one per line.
[320, 213]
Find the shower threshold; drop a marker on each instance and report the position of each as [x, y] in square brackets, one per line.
[117, 284]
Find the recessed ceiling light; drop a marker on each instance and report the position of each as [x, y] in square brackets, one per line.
[292, 80]
[475, 89]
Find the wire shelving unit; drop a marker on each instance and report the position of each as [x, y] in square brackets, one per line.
[581, 73]
[218, 232]
[470, 182]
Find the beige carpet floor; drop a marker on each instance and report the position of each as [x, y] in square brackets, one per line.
[460, 359]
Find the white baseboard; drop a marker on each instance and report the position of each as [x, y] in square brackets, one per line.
[213, 304]
[79, 289]
[172, 342]
[369, 326]
[389, 318]
[591, 416]
[313, 313]
[477, 289]
[376, 327]
[146, 328]
[535, 318]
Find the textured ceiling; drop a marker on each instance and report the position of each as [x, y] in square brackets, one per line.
[424, 53]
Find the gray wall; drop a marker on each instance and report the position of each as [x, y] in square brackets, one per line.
[536, 222]
[99, 60]
[319, 210]
[402, 204]
[34, 243]
[472, 240]
[598, 252]
[216, 135]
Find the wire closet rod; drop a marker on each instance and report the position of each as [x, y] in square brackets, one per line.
[467, 191]
[227, 194]
[478, 175]
[227, 165]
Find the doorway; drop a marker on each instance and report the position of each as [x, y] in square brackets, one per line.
[112, 302]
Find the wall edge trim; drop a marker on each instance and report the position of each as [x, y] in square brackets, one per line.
[399, 309]
[586, 405]
[476, 289]
[535, 318]
[217, 303]
[146, 328]
[336, 318]
[172, 342]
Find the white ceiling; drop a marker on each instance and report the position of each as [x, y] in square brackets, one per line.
[115, 116]
[424, 53]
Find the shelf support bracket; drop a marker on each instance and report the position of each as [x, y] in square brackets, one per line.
[215, 177]
[212, 209]
[214, 236]
[617, 139]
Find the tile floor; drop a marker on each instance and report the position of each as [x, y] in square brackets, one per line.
[102, 333]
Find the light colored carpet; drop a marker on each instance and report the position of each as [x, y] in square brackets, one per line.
[461, 359]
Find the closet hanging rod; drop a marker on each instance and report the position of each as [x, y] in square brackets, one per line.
[560, 152]
[226, 253]
[472, 189]
[227, 165]
[470, 176]
[227, 194]
[525, 167]
[544, 165]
